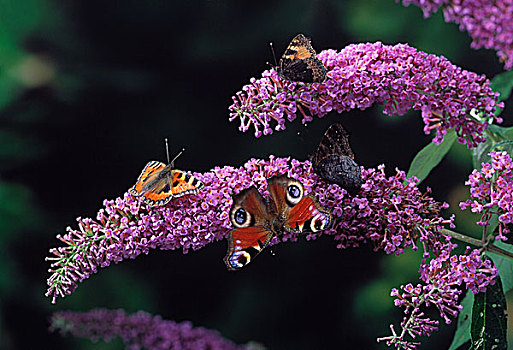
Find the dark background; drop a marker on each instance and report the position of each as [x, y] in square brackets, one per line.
[90, 89]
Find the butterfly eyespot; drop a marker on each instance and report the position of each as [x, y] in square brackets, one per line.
[320, 222]
[240, 217]
[294, 193]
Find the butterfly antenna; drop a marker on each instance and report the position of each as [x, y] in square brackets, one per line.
[167, 150]
[274, 56]
[178, 155]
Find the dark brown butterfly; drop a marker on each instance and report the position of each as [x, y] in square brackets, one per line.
[257, 219]
[334, 160]
[300, 63]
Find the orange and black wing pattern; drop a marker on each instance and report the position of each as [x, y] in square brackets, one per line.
[159, 183]
[300, 63]
[183, 183]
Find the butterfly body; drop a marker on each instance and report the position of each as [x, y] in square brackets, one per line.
[257, 219]
[300, 63]
[159, 183]
[334, 160]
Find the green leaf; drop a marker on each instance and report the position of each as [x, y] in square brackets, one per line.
[462, 334]
[505, 133]
[430, 156]
[504, 265]
[503, 83]
[488, 329]
[480, 153]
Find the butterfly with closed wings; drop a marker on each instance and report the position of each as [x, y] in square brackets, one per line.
[299, 62]
[334, 160]
[257, 219]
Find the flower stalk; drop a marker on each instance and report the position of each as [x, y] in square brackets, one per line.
[389, 211]
[360, 75]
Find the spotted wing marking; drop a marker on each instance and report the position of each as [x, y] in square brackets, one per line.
[183, 183]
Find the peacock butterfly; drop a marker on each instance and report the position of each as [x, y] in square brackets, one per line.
[257, 219]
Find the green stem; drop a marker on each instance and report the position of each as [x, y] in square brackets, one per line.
[478, 243]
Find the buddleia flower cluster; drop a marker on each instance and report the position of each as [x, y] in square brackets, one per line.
[444, 275]
[491, 192]
[442, 280]
[390, 212]
[139, 330]
[489, 23]
[360, 75]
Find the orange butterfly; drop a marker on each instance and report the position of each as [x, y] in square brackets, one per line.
[159, 183]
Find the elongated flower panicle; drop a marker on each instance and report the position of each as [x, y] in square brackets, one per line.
[139, 331]
[489, 23]
[441, 276]
[491, 190]
[389, 212]
[360, 75]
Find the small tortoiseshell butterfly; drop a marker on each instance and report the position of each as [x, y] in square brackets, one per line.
[257, 219]
[334, 160]
[159, 183]
[300, 63]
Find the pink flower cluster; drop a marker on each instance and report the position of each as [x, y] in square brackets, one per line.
[391, 212]
[360, 75]
[489, 23]
[139, 331]
[492, 191]
[443, 277]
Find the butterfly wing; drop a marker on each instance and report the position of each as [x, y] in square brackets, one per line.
[334, 160]
[250, 216]
[182, 183]
[159, 183]
[148, 177]
[341, 170]
[300, 63]
[334, 141]
[244, 244]
[285, 193]
[295, 210]
[308, 215]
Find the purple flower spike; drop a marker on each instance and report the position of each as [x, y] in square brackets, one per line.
[490, 187]
[360, 75]
[442, 277]
[390, 212]
[139, 331]
[489, 23]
